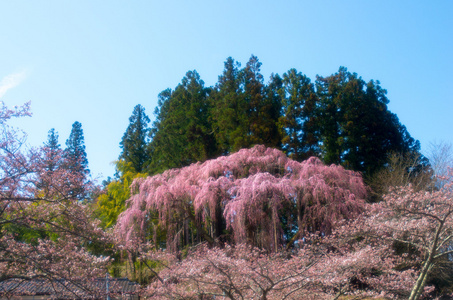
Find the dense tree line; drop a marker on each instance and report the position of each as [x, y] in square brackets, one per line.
[340, 118]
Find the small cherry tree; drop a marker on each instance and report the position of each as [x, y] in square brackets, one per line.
[44, 233]
[321, 268]
[422, 221]
[360, 263]
[395, 246]
[239, 272]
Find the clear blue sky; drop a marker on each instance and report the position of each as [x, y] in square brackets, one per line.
[93, 61]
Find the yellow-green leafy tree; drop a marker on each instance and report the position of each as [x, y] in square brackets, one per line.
[113, 201]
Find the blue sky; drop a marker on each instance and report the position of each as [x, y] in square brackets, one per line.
[93, 61]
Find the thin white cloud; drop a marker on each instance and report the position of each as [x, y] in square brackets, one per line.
[12, 80]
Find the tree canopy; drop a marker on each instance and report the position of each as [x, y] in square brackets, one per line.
[356, 128]
[75, 150]
[340, 119]
[181, 133]
[256, 196]
[45, 231]
[134, 143]
[76, 161]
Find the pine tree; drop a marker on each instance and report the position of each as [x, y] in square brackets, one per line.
[135, 140]
[272, 133]
[76, 160]
[54, 150]
[230, 110]
[182, 134]
[299, 114]
[75, 153]
[357, 130]
[263, 109]
[52, 140]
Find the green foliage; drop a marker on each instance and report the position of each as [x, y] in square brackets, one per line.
[75, 154]
[76, 161]
[135, 140]
[263, 106]
[182, 133]
[111, 203]
[339, 118]
[52, 140]
[356, 128]
[229, 114]
[298, 120]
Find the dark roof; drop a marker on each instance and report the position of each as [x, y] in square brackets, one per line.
[64, 289]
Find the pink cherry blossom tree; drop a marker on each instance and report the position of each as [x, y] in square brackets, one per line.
[322, 268]
[262, 197]
[359, 263]
[239, 272]
[422, 221]
[44, 233]
[396, 245]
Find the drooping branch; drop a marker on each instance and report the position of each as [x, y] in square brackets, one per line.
[242, 192]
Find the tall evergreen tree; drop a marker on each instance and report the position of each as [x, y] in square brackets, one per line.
[230, 110]
[329, 117]
[54, 150]
[52, 140]
[135, 140]
[182, 133]
[52, 162]
[298, 120]
[75, 153]
[262, 108]
[271, 111]
[76, 159]
[357, 129]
